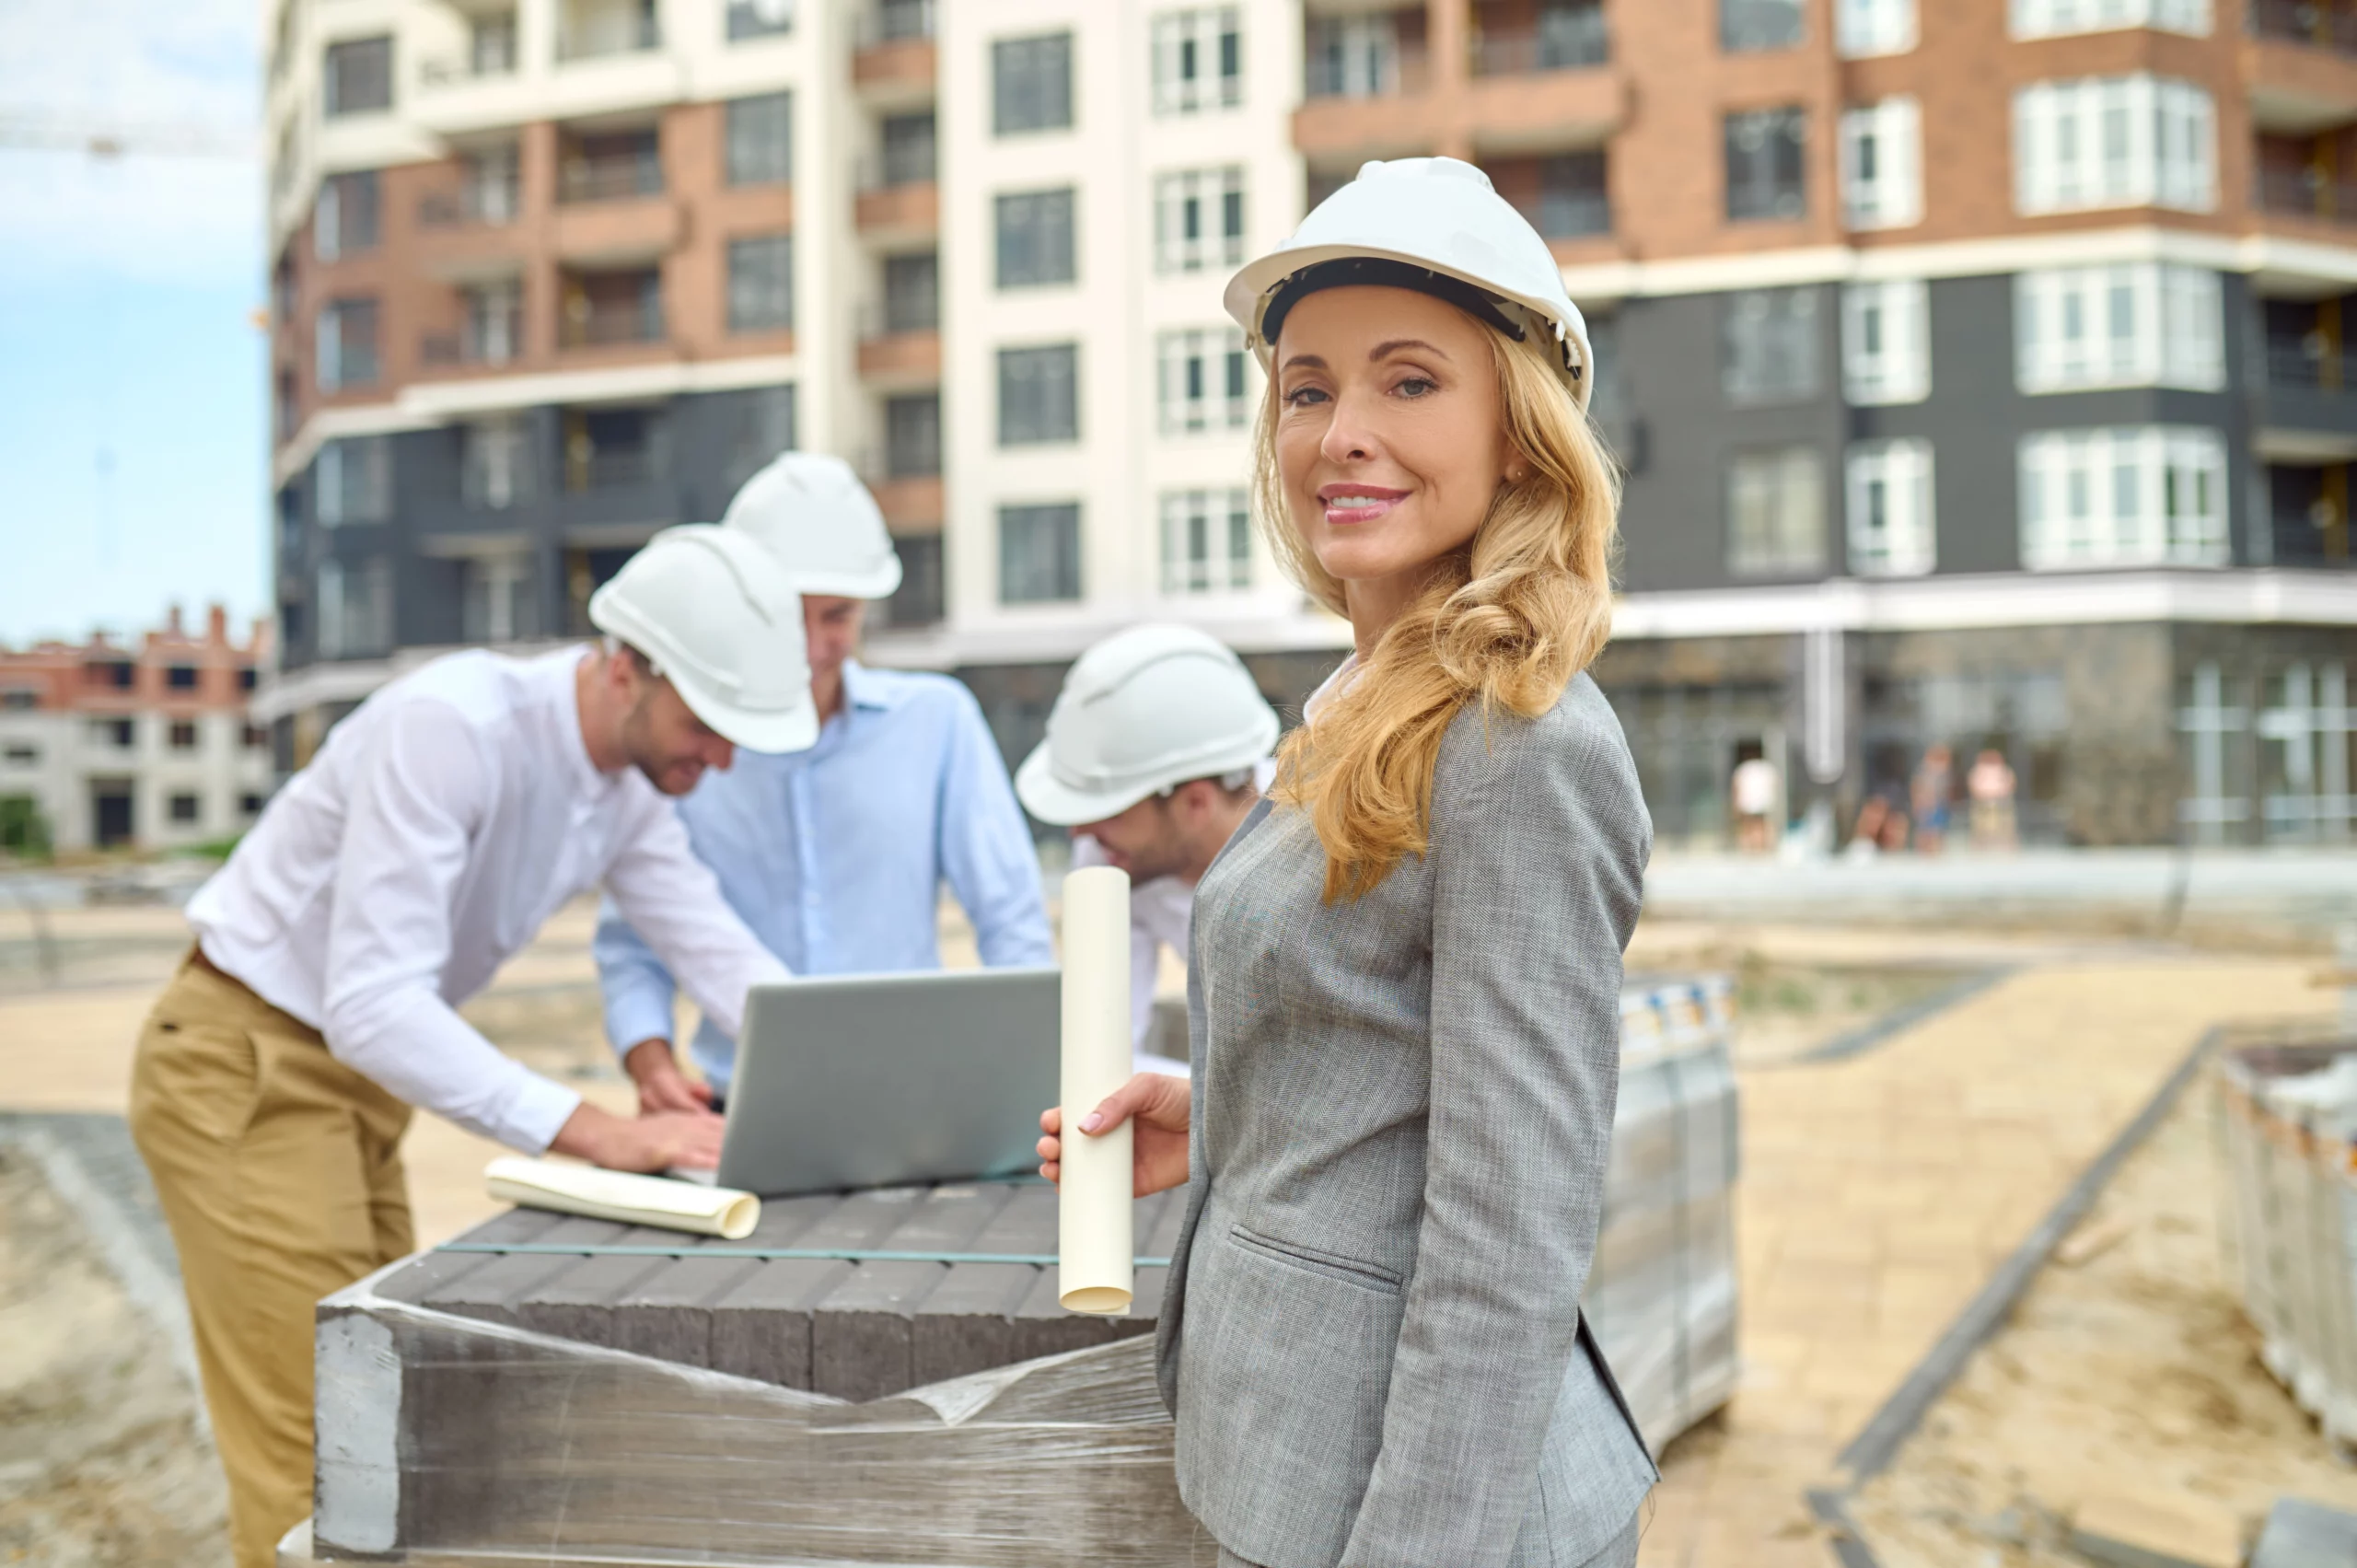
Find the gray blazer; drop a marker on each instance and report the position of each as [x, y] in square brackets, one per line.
[1403, 1105]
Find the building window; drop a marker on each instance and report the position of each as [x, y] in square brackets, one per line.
[1031, 84]
[2136, 324]
[923, 596]
[611, 448]
[1886, 342]
[760, 282]
[495, 597]
[1034, 246]
[352, 482]
[344, 220]
[2151, 495]
[1776, 513]
[1771, 352]
[1206, 541]
[183, 809]
[116, 734]
[250, 805]
[179, 678]
[358, 77]
[760, 135]
[611, 165]
[1574, 198]
[1198, 60]
[347, 344]
[913, 436]
[1745, 26]
[110, 675]
[908, 143]
[1038, 395]
[2114, 142]
[1864, 29]
[623, 306]
[1202, 381]
[1763, 156]
[759, 19]
[2055, 18]
[182, 736]
[1891, 529]
[587, 29]
[1039, 553]
[490, 43]
[16, 700]
[494, 462]
[912, 292]
[894, 21]
[1353, 57]
[493, 330]
[255, 738]
[1882, 165]
[21, 755]
[1199, 219]
[355, 609]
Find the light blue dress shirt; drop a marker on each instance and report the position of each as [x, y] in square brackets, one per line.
[835, 856]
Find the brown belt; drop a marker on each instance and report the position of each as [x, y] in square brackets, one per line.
[197, 959]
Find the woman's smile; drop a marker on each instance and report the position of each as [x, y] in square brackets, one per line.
[1350, 503]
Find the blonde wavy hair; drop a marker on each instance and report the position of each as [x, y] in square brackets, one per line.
[1506, 621]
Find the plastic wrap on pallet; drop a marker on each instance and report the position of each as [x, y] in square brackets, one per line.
[2287, 1122]
[451, 1440]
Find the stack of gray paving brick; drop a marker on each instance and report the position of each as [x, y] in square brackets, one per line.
[544, 1391]
[2287, 1121]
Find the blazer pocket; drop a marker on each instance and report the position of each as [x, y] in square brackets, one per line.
[1331, 1265]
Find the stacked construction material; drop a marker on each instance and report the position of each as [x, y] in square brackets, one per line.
[2287, 1116]
[885, 1376]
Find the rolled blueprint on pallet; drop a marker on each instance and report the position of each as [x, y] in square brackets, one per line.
[627, 1200]
[1094, 1245]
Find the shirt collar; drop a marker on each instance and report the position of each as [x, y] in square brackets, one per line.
[586, 779]
[863, 688]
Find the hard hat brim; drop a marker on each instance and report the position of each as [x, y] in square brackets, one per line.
[769, 732]
[1247, 294]
[880, 582]
[1054, 802]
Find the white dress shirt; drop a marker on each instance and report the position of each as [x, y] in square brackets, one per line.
[1161, 913]
[442, 823]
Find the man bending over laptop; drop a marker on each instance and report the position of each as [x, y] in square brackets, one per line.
[835, 856]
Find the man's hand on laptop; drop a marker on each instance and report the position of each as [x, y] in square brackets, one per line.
[661, 1085]
[654, 1141]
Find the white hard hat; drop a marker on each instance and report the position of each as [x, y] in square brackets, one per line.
[720, 620]
[815, 516]
[1430, 223]
[1144, 711]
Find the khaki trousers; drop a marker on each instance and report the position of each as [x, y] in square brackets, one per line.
[279, 1170]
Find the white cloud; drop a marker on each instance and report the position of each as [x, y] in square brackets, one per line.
[132, 67]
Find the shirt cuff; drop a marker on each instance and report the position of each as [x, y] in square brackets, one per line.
[631, 1016]
[537, 1114]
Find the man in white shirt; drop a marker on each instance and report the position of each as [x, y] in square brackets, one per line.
[1156, 750]
[441, 825]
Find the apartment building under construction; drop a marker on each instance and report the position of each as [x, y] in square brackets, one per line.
[1980, 370]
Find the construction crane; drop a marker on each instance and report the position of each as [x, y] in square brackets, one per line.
[104, 140]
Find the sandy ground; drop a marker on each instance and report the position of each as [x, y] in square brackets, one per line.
[2134, 1376]
[101, 1463]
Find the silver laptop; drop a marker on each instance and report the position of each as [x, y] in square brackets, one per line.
[881, 1080]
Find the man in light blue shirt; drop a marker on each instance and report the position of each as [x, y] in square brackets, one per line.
[835, 856]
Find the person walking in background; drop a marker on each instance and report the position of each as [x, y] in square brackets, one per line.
[1930, 793]
[1156, 748]
[1405, 997]
[449, 816]
[835, 855]
[1991, 785]
[1753, 791]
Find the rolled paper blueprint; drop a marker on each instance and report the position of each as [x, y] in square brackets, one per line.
[1094, 1247]
[630, 1200]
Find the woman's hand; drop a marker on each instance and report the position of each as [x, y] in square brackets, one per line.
[1159, 1104]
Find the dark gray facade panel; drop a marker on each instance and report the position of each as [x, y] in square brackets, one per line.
[713, 442]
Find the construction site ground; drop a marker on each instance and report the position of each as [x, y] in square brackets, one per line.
[1887, 1173]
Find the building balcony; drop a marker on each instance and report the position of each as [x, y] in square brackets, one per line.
[469, 349]
[2307, 411]
[2306, 194]
[1572, 38]
[613, 234]
[1532, 111]
[2301, 69]
[893, 214]
[895, 63]
[616, 177]
[901, 359]
[1386, 111]
[490, 204]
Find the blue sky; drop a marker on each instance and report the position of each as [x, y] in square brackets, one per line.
[133, 407]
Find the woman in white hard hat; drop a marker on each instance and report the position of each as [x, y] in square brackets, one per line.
[1407, 965]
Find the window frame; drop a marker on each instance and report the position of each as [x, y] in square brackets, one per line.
[1772, 557]
[2175, 336]
[1067, 569]
[741, 140]
[1195, 35]
[1889, 136]
[2063, 18]
[1012, 359]
[1904, 542]
[1220, 241]
[1801, 332]
[2164, 463]
[1214, 358]
[1008, 60]
[1041, 269]
[2067, 159]
[1874, 30]
[1785, 125]
[337, 58]
[760, 304]
[1219, 521]
[1900, 371]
